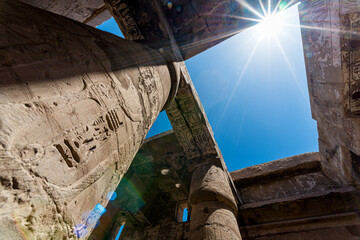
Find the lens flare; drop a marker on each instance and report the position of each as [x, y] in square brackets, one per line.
[112, 195]
[88, 221]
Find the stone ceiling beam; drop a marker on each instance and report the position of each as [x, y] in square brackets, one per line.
[194, 25]
[90, 12]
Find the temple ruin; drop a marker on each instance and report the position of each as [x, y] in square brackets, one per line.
[76, 104]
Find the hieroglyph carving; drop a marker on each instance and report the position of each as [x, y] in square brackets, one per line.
[351, 60]
[75, 106]
[189, 124]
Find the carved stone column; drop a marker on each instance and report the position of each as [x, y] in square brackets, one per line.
[75, 106]
[214, 209]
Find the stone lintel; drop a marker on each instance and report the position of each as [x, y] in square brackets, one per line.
[91, 12]
[196, 25]
[330, 227]
[290, 166]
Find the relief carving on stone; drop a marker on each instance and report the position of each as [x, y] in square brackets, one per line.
[75, 106]
[351, 61]
[188, 123]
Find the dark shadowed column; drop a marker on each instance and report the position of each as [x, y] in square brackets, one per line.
[214, 209]
[75, 105]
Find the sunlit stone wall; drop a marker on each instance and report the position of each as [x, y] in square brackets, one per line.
[75, 106]
[331, 38]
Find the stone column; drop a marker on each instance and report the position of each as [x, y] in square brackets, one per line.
[214, 209]
[75, 106]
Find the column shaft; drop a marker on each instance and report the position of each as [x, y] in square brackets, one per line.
[75, 106]
[214, 208]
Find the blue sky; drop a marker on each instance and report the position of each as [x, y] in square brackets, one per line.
[254, 93]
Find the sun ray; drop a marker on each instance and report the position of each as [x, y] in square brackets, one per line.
[245, 18]
[276, 7]
[210, 39]
[241, 125]
[251, 9]
[290, 68]
[237, 85]
[288, 5]
[321, 28]
[269, 7]
[262, 7]
[188, 45]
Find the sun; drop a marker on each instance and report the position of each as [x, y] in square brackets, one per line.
[270, 20]
[270, 26]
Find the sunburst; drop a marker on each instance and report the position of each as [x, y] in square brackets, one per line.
[271, 22]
